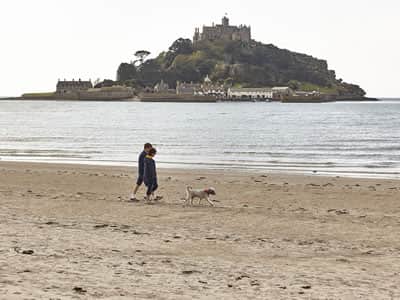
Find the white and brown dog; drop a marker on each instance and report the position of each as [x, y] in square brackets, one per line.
[201, 194]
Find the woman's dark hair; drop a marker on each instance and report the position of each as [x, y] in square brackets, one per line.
[148, 145]
[152, 151]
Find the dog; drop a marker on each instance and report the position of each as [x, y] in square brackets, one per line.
[201, 194]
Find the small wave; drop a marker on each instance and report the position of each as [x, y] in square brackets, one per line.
[41, 151]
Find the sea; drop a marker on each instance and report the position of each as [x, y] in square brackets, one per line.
[358, 139]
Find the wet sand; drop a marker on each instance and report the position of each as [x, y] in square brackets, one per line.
[68, 231]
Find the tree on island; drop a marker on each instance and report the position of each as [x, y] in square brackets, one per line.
[126, 72]
[104, 83]
[179, 47]
[141, 56]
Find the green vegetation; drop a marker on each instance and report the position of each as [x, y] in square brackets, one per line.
[234, 63]
[310, 87]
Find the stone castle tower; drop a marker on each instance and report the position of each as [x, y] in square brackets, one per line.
[223, 31]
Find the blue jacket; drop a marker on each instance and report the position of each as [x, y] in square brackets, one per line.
[141, 163]
[150, 174]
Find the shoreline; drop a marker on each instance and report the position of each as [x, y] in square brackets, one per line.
[181, 171]
[221, 168]
[68, 231]
[193, 99]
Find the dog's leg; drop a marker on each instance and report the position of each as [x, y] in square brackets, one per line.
[186, 198]
[209, 201]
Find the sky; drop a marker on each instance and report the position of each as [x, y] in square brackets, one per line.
[42, 41]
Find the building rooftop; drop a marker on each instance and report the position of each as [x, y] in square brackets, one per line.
[263, 89]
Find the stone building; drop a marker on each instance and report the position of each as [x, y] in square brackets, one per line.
[281, 92]
[67, 86]
[223, 31]
[184, 88]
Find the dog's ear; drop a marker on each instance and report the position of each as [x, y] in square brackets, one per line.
[211, 191]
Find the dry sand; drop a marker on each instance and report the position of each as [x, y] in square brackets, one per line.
[269, 236]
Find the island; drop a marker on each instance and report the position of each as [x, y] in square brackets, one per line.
[220, 63]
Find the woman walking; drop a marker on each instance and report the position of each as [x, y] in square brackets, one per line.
[150, 175]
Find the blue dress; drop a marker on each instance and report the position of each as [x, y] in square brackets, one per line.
[150, 174]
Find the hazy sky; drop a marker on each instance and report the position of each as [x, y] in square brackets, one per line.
[43, 40]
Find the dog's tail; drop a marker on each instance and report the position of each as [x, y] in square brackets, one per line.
[188, 190]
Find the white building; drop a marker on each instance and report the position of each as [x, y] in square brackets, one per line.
[250, 93]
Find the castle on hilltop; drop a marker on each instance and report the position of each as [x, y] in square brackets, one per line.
[224, 32]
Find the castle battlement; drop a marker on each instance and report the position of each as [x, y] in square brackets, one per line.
[223, 31]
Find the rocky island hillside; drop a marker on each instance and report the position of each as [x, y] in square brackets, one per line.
[235, 63]
[226, 60]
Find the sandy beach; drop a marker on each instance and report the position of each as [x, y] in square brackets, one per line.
[68, 231]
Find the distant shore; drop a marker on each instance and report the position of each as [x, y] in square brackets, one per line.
[192, 98]
[66, 99]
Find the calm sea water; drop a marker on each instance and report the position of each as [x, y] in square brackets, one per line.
[361, 139]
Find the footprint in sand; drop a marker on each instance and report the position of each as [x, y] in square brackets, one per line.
[51, 223]
[203, 282]
[313, 184]
[339, 211]
[189, 272]
[79, 290]
[100, 226]
[343, 260]
[25, 252]
[254, 283]
[240, 277]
